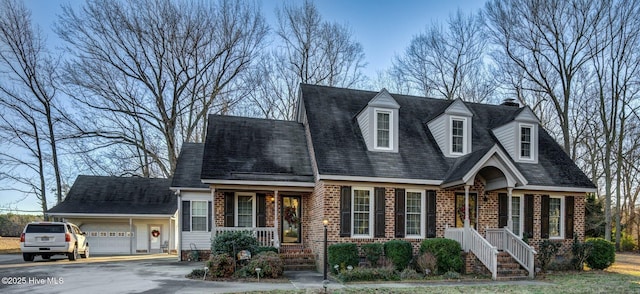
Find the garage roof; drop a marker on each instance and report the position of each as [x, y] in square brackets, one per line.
[118, 196]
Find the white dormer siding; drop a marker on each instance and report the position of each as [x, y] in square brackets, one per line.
[520, 137]
[452, 130]
[379, 123]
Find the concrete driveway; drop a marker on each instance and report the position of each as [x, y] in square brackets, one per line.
[118, 274]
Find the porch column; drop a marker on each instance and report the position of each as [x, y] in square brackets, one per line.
[466, 206]
[509, 214]
[276, 236]
[130, 236]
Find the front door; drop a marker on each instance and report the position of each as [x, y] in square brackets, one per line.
[154, 238]
[291, 219]
[473, 209]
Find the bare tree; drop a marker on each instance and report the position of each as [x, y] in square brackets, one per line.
[27, 94]
[548, 42]
[308, 50]
[447, 62]
[150, 71]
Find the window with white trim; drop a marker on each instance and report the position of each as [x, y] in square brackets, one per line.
[556, 215]
[199, 216]
[516, 215]
[362, 214]
[458, 135]
[526, 135]
[383, 124]
[245, 210]
[414, 205]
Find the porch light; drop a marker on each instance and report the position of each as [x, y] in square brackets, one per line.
[271, 199]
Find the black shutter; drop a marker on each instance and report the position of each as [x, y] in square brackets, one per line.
[186, 216]
[528, 216]
[431, 214]
[345, 211]
[379, 213]
[229, 208]
[568, 217]
[400, 213]
[544, 217]
[503, 210]
[261, 210]
[210, 213]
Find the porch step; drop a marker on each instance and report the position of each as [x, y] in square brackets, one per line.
[509, 268]
[298, 259]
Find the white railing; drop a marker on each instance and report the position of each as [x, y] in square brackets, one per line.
[484, 251]
[266, 236]
[456, 234]
[506, 240]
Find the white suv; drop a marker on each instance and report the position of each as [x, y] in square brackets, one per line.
[53, 238]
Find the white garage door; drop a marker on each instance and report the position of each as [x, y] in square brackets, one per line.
[108, 238]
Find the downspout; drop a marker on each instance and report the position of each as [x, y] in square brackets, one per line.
[130, 236]
[179, 221]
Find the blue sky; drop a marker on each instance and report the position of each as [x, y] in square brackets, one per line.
[384, 28]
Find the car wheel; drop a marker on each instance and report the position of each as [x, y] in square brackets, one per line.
[46, 257]
[86, 252]
[27, 257]
[73, 255]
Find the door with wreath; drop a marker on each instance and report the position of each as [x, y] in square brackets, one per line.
[291, 219]
[154, 238]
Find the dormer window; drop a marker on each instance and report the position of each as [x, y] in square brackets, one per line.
[457, 135]
[383, 130]
[525, 142]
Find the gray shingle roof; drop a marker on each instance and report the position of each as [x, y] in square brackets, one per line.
[187, 173]
[118, 195]
[240, 148]
[340, 149]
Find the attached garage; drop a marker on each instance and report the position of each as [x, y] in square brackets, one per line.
[122, 215]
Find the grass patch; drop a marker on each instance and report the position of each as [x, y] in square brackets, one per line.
[9, 245]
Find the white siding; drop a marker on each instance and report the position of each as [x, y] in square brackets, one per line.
[365, 124]
[196, 195]
[458, 108]
[201, 240]
[506, 135]
[439, 131]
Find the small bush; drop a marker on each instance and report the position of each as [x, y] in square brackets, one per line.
[410, 274]
[447, 253]
[265, 249]
[603, 254]
[450, 275]
[196, 273]
[270, 263]
[427, 263]
[372, 252]
[547, 254]
[580, 251]
[627, 243]
[399, 252]
[369, 274]
[238, 240]
[343, 254]
[220, 265]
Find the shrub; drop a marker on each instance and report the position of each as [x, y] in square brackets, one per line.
[196, 273]
[427, 263]
[373, 252]
[343, 254]
[238, 240]
[447, 253]
[220, 265]
[270, 263]
[548, 250]
[410, 274]
[369, 274]
[580, 251]
[627, 243]
[265, 249]
[451, 275]
[399, 252]
[603, 253]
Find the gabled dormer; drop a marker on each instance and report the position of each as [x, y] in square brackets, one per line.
[378, 123]
[520, 136]
[452, 129]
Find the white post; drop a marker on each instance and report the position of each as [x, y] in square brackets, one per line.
[276, 237]
[510, 214]
[179, 226]
[130, 236]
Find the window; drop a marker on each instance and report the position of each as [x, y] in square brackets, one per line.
[515, 215]
[362, 215]
[457, 135]
[555, 217]
[383, 129]
[199, 216]
[414, 206]
[244, 213]
[525, 142]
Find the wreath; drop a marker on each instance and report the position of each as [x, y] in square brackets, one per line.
[290, 216]
[155, 233]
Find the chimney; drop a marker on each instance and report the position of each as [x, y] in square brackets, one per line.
[510, 102]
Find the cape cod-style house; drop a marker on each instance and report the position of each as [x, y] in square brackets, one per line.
[380, 166]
